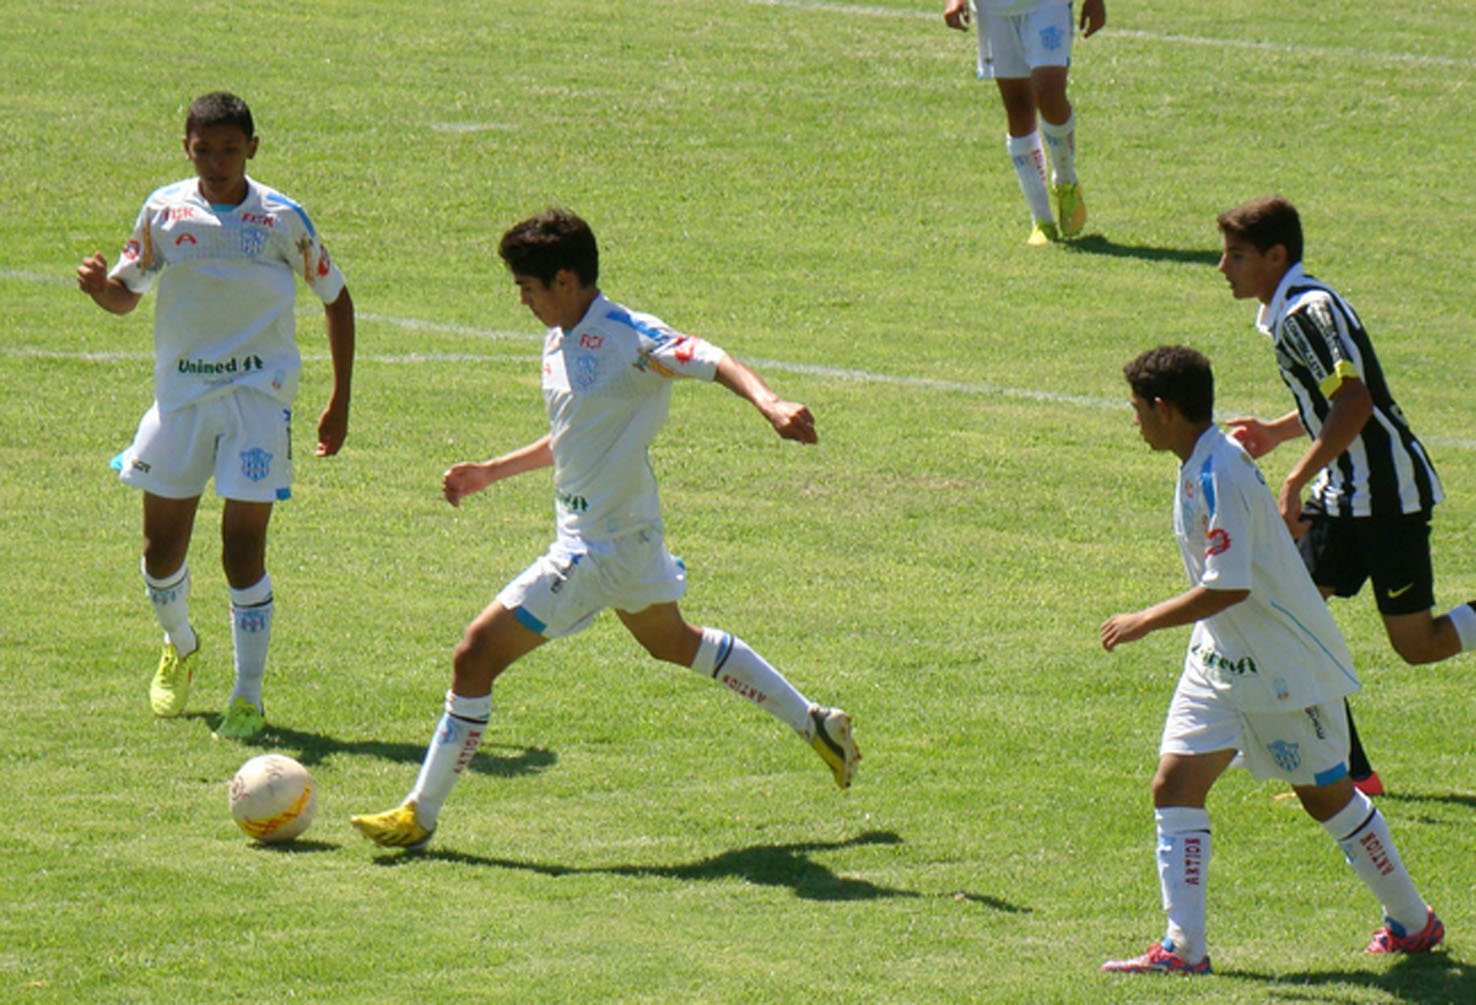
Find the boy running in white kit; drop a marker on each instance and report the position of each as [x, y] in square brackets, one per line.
[607, 381]
[1025, 48]
[227, 252]
[1264, 676]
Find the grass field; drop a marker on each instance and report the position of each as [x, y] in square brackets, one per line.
[821, 189]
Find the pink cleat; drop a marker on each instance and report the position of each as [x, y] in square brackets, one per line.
[1392, 938]
[1159, 959]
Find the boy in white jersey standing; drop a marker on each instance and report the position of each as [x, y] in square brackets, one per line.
[1371, 486]
[227, 252]
[607, 382]
[1025, 48]
[1262, 679]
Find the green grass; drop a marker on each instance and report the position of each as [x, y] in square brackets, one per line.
[812, 186]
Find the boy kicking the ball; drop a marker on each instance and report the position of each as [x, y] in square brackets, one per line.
[226, 251]
[608, 373]
[1263, 679]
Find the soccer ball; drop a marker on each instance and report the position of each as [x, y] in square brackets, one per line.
[273, 798]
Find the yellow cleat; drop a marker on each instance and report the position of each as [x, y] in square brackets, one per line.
[832, 740]
[396, 828]
[242, 721]
[1043, 233]
[170, 688]
[1071, 208]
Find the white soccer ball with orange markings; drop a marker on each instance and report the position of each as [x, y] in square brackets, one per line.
[273, 798]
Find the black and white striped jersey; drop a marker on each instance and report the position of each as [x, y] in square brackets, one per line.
[1319, 341]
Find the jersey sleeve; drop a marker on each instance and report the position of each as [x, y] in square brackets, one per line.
[671, 353]
[310, 259]
[1227, 526]
[1313, 334]
[139, 263]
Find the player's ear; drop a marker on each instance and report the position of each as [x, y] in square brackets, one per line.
[251, 147]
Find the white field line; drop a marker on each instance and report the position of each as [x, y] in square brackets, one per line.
[1285, 48]
[849, 374]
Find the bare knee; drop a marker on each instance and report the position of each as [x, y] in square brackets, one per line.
[1415, 650]
[243, 555]
[474, 665]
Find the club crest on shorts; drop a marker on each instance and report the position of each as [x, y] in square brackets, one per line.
[1288, 755]
[256, 463]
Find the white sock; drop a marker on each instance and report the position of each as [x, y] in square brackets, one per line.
[1464, 620]
[730, 661]
[1028, 157]
[170, 598]
[1183, 869]
[251, 631]
[1363, 834]
[1060, 143]
[457, 736]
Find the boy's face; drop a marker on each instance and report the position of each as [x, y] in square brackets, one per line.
[561, 303]
[1252, 273]
[1153, 422]
[219, 154]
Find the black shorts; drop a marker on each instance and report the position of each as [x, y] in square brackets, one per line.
[1343, 552]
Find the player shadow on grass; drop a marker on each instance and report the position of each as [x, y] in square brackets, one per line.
[1096, 244]
[1465, 799]
[786, 865]
[500, 760]
[1424, 979]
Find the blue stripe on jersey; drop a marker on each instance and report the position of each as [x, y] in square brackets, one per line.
[270, 197]
[1207, 484]
[1347, 672]
[168, 191]
[650, 331]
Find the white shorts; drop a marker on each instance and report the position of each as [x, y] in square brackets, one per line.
[1304, 746]
[561, 593]
[1010, 46]
[242, 438]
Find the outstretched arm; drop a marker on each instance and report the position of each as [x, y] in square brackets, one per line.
[1260, 438]
[333, 423]
[470, 477]
[109, 294]
[1194, 604]
[790, 420]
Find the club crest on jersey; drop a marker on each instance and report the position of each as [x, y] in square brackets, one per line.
[256, 463]
[586, 370]
[253, 239]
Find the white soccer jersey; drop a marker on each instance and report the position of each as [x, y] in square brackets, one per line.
[607, 386]
[227, 283]
[1278, 649]
[1319, 341]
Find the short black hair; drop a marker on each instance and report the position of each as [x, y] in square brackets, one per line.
[1264, 223]
[1177, 374]
[555, 239]
[219, 108]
